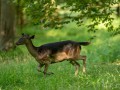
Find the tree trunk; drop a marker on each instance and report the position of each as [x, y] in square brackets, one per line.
[7, 24]
[19, 13]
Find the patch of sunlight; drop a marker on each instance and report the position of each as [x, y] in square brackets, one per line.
[62, 11]
[115, 38]
[54, 33]
[117, 62]
[98, 42]
[101, 26]
[115, 23]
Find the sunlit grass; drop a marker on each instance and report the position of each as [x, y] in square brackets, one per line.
[24, 76]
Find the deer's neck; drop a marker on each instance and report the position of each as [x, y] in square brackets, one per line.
[31, 48]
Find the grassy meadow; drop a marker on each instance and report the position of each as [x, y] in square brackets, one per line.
[18, 69]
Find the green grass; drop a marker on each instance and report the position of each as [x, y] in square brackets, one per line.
[18, 69]
[24, 76]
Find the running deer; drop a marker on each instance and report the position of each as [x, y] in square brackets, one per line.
[55, 52]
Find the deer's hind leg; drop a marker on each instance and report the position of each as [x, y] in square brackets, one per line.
[84, 62]
[77, 66]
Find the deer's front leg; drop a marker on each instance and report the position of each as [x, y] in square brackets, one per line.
[45, 70]
[39, 67]
[77, 66]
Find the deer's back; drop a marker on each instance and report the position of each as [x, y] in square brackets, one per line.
[60, 51]
[57, 46]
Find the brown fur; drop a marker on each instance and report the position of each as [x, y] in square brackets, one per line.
[55, 52]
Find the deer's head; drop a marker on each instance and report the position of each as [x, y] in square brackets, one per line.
[24, 39]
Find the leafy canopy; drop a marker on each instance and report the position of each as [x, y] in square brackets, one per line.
[56, 13]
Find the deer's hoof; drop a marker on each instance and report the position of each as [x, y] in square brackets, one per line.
[39, 70]
[48, 73]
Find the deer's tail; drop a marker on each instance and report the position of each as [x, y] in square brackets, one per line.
[84, 43]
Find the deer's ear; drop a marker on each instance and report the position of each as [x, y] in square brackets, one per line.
[32, 37]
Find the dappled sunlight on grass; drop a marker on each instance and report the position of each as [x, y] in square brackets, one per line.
[98, 42]
[117, 62]
[55, 33]
[116, 21]
[101, 26]
[116, 38]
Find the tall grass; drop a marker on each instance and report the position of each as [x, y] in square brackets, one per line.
[24, 76]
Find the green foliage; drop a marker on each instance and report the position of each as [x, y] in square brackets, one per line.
[54, 14]
[98, 11]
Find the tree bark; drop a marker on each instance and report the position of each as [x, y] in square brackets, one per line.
[7, 24]
[19, 14]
